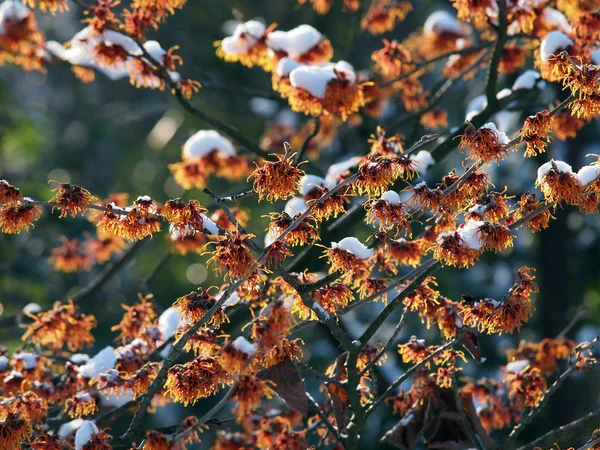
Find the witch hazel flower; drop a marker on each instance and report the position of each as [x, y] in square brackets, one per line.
[329, 89]
[205, 153]
[347, 255]
[247, 45]
[485, 144]
[303, 44]
[389, 212]
[559, 183]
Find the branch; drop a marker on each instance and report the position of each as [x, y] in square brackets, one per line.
[108, 272]
[315, 131]
[390, 390]
[387, 345]
[492, 77]
[463, 417]
[566, 432]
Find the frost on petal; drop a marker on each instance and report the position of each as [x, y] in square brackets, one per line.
[204, 142]
[470, 234]
[168, 322]
[286, 65]
[104, 360]
[13, 11]
[424, 159]
[338, 169]
[528, 80]
[502, 137]
[245, 346]
[553, 43]
[555, 17]
[85, 433]
[295, 42]
[295, 206]
[587, 174]
[517, 366]
[391, 197]
[561, 166]
[309, 182]
[244, 37]
[354, 246]
[441, 22]
[314, 79]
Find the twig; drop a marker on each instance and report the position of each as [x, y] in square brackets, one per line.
[108, 272]
[389, 391]
[564, 433]
[463, 417]
[387, 345]
[492, 76]
[323, 417]
[315, 131]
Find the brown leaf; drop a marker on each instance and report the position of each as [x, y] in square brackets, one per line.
[288, 384]
[338, 396]
[407, 430]
[470, 342]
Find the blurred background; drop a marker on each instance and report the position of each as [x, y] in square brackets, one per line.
[111, 137]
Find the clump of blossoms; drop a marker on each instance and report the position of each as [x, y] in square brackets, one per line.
[256, 365]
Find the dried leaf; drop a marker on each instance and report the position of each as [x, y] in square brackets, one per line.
[289, 385]
[470, 342]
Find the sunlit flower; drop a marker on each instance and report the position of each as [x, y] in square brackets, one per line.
[383, 15]
[558, 183]
[485, 144]
[247, 45]
[232, 256]
[392, 60]
[248, 393]
[415, 350]
[70, 256]
[136, 320]
[434, 119]
[9, 194]
[196, 304]
[529, 203]
[527, 388]
[19, 217]
[187, 383]
[62, 325]
[278, 180]
[329, 89]
[49, 5]
[82, 404]
[389, 213]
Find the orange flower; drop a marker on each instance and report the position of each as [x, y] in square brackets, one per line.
[434, 119]
[70, 257]
[415, 350]
[529, 203]
[81, 404]
[136, 320]
[375, 174]
[405, 253]
[277, 180]
[187, 88]
[527, 388]
[14, 430]
[19, 217]
[392, 60]
[305, 232]
[184, 217]
[248, 393]
[71, 200]
[62, 325]
[390, 212]
[187, 383]
[247, 45]
[476, 11]
[276, 253]
[195, 305]
[383, 15]
[485, 144]
[232, 255]
[49, 5]
[320, 6]
[330, 89]
[10, 195]
[558, 183]
[453, 250]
